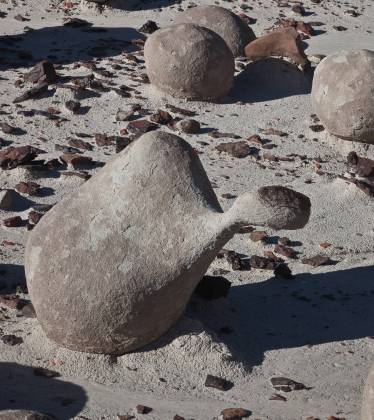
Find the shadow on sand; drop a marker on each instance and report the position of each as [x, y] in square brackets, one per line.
[64, 45]
[278, 314]
[270, 79]
[20, 389]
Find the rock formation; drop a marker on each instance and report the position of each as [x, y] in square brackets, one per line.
[342, 94]
[236, 33]
[111, 268]
[189, 61]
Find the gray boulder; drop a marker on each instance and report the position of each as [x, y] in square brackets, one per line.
[342, 94]
[111, 267]
[189, 61]
[236, 33]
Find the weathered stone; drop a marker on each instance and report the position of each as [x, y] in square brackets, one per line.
[342, 94]
[219, 383]
[189, 61]
[239, 149]
[106, 260]
[42, 72]
[284, 42]
[14, 156]
[234, 413]
[188, 126]
[234, 31]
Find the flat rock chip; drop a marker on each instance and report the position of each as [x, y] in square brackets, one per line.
[13, 156]
[317, 260]
[234, 413]
[140, 127]
[218, 383]
[286, 384]
[360, 165]
[43, 71]
[239, 149]
[143, 409]
[11, 340]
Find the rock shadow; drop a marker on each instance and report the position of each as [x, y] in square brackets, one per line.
[270, 79]
[11, 276]
[133, 5]
[20, 389]
[276, 314]
[64, 45]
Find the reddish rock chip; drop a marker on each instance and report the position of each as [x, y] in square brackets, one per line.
[30, 188]
[42, 72]
[317, 260]
[13, 156]
[15, 221]
[285, 251]
[235, 413]
[140, 127]
[143, 409]
[239, 149]
[76, 160]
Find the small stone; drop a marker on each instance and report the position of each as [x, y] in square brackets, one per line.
[359, 165]
[188, 126]
[161, 117]
[7, 128]
[12, 301]
[11, 340]
[34, 217]
[317, 260]
[262, 263]
[234, 413]
[73, 106]
[14, 156]
[277, 397]
[43, 71]
[15, 221]
[176, 417]
[238, 149]
[76, 160]
[286, 251]
[29, 188]
[211, 287]
[80, 144]
[284, 241]
[258, 235]
[140, 127]
[103, 140]
[143, 409]
[298, 9]
[149, 27]
[234, 260]
[286, 384]
[123, 115]
[218, 383]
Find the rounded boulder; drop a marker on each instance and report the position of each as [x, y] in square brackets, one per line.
[343, 95]
[189, 61]
[236, 33]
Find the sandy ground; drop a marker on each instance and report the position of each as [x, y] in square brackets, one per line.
[316, 329]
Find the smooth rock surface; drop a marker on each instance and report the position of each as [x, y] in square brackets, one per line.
[236, 33]
[343, 94]
[189, 61]
[112, 267]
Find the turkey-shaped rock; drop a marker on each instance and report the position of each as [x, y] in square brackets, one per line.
[111, 267]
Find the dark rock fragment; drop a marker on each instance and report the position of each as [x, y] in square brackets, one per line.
[218, 383]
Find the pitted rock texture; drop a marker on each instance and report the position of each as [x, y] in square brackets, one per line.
[236, 33]
[189, 61]
[343, 94]
[111, 268]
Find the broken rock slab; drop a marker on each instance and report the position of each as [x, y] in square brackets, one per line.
[126, 279]
[284, 42]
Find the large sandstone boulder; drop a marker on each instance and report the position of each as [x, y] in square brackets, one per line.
[343, 94]
[367, 412]
[189, 61]
[236, 33]
[111, 267]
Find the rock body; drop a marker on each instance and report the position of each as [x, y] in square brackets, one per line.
[236, 33]
[189, 61]
[284, 42]
[111, 267]
[23, 415]
[367, 412]
[343, 94]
